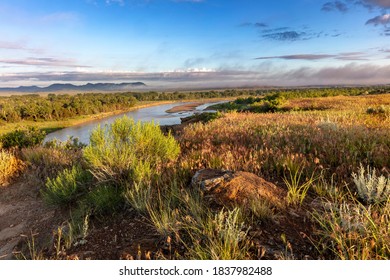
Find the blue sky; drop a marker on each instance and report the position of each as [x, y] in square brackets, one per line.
[195, 43]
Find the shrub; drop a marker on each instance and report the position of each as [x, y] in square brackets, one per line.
[23, 138]
[66, 187]
[380, 110]
[371, 188]
[127, 151]
[9, 166]
[72, 143]
[105, 199]
[204, 117]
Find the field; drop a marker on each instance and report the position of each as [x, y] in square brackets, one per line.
[309, 179]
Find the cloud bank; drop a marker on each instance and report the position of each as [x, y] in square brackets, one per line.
[340, 56]
[349, 74]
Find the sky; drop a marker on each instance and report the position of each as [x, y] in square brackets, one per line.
[195, 43]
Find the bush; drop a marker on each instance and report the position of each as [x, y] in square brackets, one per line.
[129, 152]
[66, 187]
[380, 110]
[105, 199]
[48, 162]
[9, 166]
[23, 138]
[203, 117]
[371, 188]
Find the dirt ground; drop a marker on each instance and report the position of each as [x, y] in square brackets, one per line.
[23, 214]
[25, 219]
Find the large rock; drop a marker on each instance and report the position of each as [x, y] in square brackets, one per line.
[238, 188]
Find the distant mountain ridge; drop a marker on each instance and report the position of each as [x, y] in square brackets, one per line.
[71, 87]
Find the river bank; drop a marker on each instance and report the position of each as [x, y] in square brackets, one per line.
[54, 125]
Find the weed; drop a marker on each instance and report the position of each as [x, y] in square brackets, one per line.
[33, 252]
[287, 254]
[138, 196]
[76, 229]
[353, 231]
[297, 190]
[164, 215]
[328, 189]
[218, 237]
[370, 187]
[262, 210]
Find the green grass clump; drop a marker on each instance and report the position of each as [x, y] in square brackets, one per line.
[297, 187]
[127, 152]
[66, 187]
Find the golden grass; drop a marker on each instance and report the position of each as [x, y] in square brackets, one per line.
[10, 166]
[331, 141]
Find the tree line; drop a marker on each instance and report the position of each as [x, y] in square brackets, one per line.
[62, 106]
[57, 107]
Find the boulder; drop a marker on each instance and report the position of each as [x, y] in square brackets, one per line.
[236, 188]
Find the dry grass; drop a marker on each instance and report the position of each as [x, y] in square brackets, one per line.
[335, 142]
[329, 142]
[10, 166]
[47, 162]
[315, 151]
[352, 231]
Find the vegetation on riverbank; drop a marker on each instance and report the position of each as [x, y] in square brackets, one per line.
[329, 156]
[55, 111]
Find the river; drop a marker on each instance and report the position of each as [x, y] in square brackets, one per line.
[156, 113]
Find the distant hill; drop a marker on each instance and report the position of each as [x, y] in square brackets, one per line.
[71, 87]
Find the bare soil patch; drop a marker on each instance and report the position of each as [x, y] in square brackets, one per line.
[185, 107]
[23, 214]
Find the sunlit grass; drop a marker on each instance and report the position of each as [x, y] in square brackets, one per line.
[10, 166]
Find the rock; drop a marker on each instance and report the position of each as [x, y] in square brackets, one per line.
[207, 179]
[237, 188]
